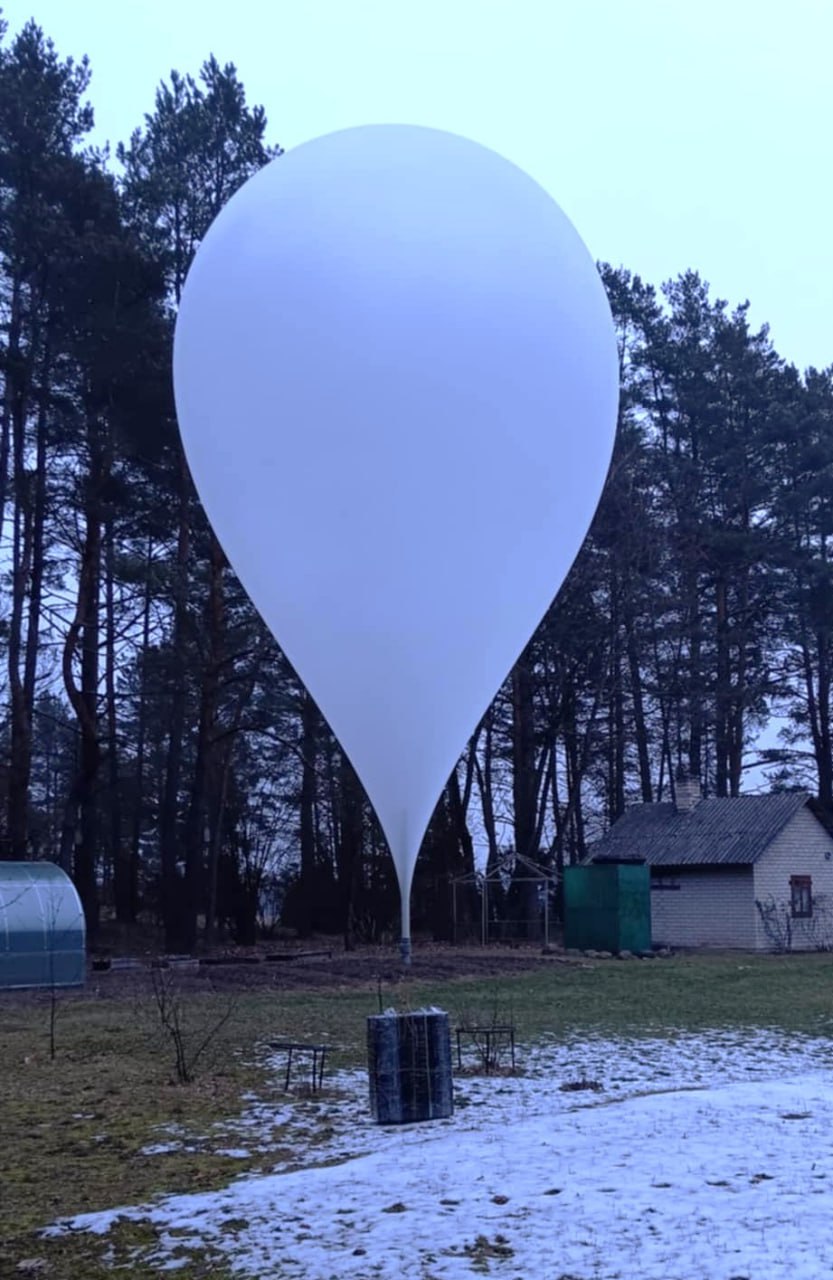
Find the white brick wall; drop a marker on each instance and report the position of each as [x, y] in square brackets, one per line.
[799, 850]
[713, 908]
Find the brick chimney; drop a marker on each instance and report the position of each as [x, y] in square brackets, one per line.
[687, 791]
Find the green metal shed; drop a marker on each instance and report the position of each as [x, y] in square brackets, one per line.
[607, 906]
[42, 931]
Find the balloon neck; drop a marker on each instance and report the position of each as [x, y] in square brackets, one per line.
[405, 951]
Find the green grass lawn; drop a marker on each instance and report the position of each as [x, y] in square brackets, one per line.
[73, 1128]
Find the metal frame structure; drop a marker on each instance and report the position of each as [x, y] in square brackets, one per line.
[502, 875]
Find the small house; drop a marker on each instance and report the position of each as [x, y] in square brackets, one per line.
[752, 872]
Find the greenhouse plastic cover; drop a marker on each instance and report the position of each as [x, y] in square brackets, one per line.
[42, 930]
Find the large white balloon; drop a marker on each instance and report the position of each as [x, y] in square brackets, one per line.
[396, 380]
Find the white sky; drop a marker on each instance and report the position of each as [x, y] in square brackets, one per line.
[673, 134]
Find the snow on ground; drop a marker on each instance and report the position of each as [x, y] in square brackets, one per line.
[700, 1157]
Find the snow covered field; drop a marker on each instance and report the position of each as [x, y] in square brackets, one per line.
[693, 1157]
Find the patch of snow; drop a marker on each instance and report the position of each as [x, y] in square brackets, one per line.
[701, 1157]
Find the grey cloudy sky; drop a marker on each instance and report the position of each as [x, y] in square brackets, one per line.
[673, 134]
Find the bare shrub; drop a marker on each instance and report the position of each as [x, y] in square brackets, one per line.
[816, 931]
[176, 1018]
[490, 1030]
[777, 923]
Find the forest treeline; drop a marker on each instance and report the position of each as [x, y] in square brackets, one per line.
[155, 741]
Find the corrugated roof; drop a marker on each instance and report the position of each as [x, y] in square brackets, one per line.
[717, 832]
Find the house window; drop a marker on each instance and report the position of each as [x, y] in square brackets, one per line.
[801, 897]
[664, 882]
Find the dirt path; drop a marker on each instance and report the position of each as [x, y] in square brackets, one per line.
[325, 966]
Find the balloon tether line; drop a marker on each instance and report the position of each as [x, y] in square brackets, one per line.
[405, 883]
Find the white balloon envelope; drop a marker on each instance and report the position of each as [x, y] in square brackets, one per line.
[396, 379]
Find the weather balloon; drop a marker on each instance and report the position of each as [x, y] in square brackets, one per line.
[396, 380]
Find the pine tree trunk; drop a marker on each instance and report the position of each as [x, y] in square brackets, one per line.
[20, 728]
[457, 812]
[124, 902]
[737, 706]
[523, 757]
[220, 788]
[695, 677]
[817, 686]
[169, 834]
[722, 693]
[38, 555]
[616, 713]
[131, 905]
[574, 816]
[196, 843]
[308, 841]
[524, 791]
[485, 787]
[84, 633]
[639, 722]
[12, 357]
[18, 378]
[349, 850]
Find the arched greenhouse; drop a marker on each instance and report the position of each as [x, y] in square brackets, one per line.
[42, 933]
